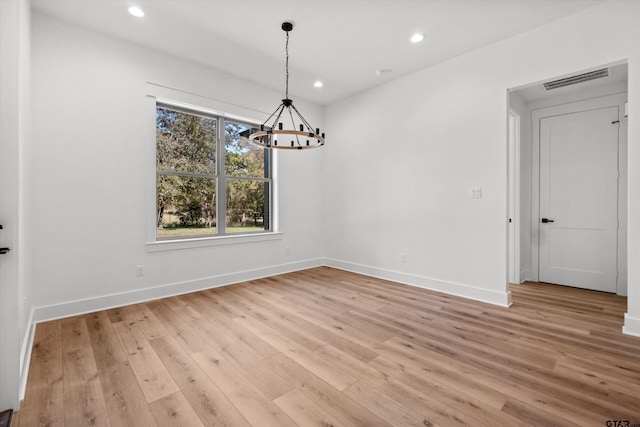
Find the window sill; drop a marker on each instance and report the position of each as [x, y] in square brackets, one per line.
[171, 245]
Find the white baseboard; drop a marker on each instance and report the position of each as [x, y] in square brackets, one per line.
[458, 289]
[105, 302]
[25, 354]
[631, 325]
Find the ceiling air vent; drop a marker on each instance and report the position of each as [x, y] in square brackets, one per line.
[585, 77]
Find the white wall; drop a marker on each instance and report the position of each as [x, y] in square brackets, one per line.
[93, 163]
[404, 157]
[405, 154]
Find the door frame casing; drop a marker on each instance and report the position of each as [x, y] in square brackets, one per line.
[513, 208]
[574, 107]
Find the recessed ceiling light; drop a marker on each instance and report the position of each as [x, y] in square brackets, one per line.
[136, 11]
[318, 84]
[417, 38]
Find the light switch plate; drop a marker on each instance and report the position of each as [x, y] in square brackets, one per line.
[475, 192]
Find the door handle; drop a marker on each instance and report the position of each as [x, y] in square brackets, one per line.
[3, 250]
[545, 220]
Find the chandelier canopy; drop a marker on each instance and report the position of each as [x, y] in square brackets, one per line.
[272, 133]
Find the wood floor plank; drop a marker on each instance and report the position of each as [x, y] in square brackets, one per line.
[230, 333]
[44, 398]
[332, 348]
[218, 299]
[597, 374]
[325, 396]
[356, 333]
[304, 412]
[445, 377]
[184, 309]
[347, 363]
[47, 350]
[268, 381]
[316, 334]
[153, 378]
[238, 352]
[465, 405]
[252, 404]
[174, 411]
[310, 314]
[107, 350]
[211, 405]
[535, 416]
[125, 402]
[43, 406]
[118, 314]
[83, 396]
[480, 333]
[385, 407]
[479, 377]
[147, 322]
[579, 411]
[433, 412]
[455, 339]
[281, 323]
[177, 328]
[320, 367]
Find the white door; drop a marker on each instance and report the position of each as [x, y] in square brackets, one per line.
[578, 199]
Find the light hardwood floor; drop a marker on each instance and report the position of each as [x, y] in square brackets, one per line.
[323, 347]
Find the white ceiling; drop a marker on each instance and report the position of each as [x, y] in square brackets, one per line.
[341, 42]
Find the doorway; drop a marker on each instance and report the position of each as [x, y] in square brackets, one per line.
[572, 187]
[578, 194]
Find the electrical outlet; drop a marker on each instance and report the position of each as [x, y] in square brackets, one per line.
[287, 250]
[403, 258]
[140, 270]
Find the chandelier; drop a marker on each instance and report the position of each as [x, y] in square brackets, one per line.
[272, 133]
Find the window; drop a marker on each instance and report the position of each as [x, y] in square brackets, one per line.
[211, 181]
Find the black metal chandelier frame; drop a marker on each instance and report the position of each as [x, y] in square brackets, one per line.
[272, 133]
